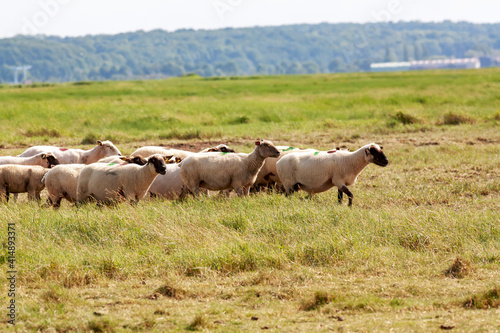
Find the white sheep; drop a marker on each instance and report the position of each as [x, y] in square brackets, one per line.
[170, 185]
[108, 184]
[316, 172]
[182, 154]
[268, 173]
[222, 171]
[46, 160]
[21, 179]
[123, 159]
[76, 156]
[62, 181]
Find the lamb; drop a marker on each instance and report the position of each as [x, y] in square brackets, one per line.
[62, 181]
[221, 171]
[20, 179]
[319, 171]
[74, 156]
[46, 160]
[108, 184]
[182, 154]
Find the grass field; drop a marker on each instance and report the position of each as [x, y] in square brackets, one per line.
[418, 251]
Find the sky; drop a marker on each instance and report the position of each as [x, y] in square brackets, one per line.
[91, 17]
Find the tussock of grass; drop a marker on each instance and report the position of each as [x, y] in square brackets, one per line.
[240, 120]
[109, 268]
[459, 269]
[197, 323]
[452, 118]
[102, 325]
[83, 83]
[170, 291]
[53, 133]
[319, 299]
[415, 241]
[90, 139]
[181, 135]
[485, 301]
[406, 118]
[53, 295]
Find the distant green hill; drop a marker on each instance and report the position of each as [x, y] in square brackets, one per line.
[294, 49]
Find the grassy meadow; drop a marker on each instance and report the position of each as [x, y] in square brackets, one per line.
[418, 251]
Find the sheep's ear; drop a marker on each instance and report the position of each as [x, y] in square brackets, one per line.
[99, 143]
[123, 158]
[167, 157]
[44, 156]
[257, 143]
[367, 151]
[178, 160]
[212, 150]
[381, 147]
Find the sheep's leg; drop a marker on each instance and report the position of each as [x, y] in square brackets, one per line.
[246, 191]
[340, 196]
[4, 192]
[349, 194]
[31, 195]
[56, 203]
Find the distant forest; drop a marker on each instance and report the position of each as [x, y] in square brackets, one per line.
[294, 49]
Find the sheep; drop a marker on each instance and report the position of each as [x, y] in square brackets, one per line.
[76, 156]
[46, 160]
[222, 171]
[20, 179]
[170, 185]
[268, 173]
[108, 184]
[124, 159]
[150, 150]
[319, 171]
[62, 181]
[222, 148]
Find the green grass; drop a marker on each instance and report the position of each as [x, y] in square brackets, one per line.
[419, 249]
[198, 108]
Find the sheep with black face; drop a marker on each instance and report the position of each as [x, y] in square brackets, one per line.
[221, 171]
[62, 181]
[110, 183]
[316, 172]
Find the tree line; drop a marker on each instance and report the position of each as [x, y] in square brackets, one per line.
[293, 49]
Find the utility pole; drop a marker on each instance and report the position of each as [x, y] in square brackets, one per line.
[16, 70]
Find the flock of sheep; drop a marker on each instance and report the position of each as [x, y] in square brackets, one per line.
[103, 175]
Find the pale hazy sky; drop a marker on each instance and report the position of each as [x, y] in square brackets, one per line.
[83, 17]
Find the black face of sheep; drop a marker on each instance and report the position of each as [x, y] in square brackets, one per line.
[159, 165]
[138, 160]
[52, 160]
[379, 157]
[226, 149]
